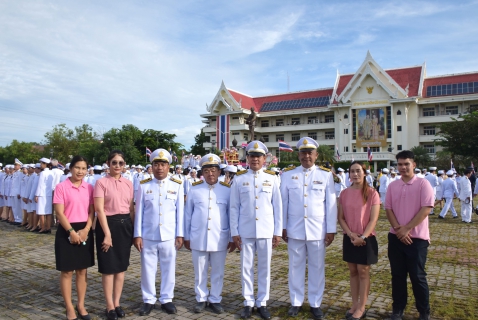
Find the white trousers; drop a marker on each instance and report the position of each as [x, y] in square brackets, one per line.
[466, 210]
[165, 253]
[263, 247]
[314, 251]
[448, 205]
[382, 197]
[201, 261]
[17, 209]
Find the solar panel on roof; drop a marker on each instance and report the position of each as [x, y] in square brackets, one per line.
[453, 88]
[296, 104]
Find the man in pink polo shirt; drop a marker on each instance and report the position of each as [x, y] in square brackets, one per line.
[408, 202]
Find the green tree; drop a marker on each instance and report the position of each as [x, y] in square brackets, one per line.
[60, 143]
[326, 154]
[197, 147]
[422, 158]
[459, 136]
[26, 152]
[124, 139]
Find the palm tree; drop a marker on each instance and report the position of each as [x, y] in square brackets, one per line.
[326, 154]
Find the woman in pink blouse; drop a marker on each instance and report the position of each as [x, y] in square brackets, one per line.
[74, 247]
[359, 207]
[114, 234]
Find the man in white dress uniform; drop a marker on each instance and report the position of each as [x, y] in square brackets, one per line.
[450, 190]
[309, 225]
[159, 231]
[256, 225]
[465, 197]
[207, 232]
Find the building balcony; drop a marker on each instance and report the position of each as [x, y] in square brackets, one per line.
[437, 118]
[427, 137]
[207, 145]
[209, 129]
[296, 127]
[239, 127]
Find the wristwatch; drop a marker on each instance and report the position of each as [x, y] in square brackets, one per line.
[363, 237]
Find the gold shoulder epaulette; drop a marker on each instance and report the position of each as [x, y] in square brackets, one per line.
[145, 180]
[176, 180]
[241, 172]
[289, 168]
[198, 182]
[225, 184]
[324, 168]
[270, 172]
[337, 180]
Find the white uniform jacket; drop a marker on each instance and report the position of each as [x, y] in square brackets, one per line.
[24, 186]
[16, 181]
[449, 188]
[256, 205]
[56, 173]
[45, 184]
[369, 180]
[159, 210]
[384, 182]
[433, 179]
[465, 190]
[206, 217]
[33, 190]
[309, 203]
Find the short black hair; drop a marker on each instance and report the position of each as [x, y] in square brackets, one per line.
[76, 159]
[467, 171]
[405, 154]
[115, 153]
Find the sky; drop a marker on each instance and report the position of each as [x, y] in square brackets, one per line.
[156, 64]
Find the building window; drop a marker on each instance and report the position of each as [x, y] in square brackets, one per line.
[295, 136]
[372, 149]
[329, 118]
[451, 110]
[277, 152]
[235, 133]
[430, 148]
[429, 112]
[473, 108]
[235, 118]
[246, 136]
[329, 135]
[346, 116]
[346, 131]
[280, 137]
[346, 149]
[295, 121]
[429, 130]
[399, 112]
[399, 128]
[264, 123]
[279, 122]
[312, 135]
[311, 120]
[213, 134]
[265, 138]
[399, 147]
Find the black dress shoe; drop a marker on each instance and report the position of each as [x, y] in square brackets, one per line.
[348, 315]
[146, 309]
[200, 306]
[264, 313]
[396, 315]
[246, 313]
[424, 316]
[85, 317]
[216, 307]
[364, 314]
[111, 315]
[36, 230]
[119, 311]
[45, 232]
[317, 313]
[169, 308]
[294, 311]
[440, 217]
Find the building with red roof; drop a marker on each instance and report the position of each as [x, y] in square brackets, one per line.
[384, 110]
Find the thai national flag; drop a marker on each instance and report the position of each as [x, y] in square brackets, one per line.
[337, 151]
[222, 132]
[148, 152]
[369, 154]
[284, 146]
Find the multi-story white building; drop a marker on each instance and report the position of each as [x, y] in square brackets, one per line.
[386, 110]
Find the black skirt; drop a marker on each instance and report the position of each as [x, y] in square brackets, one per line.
[71, 257]
[366, 255]
[116, 259]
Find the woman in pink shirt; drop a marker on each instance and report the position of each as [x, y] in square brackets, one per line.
[74, 247]
[114, 234]
[359, 207]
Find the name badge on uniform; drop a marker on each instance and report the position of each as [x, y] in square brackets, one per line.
[171, 194]
[317, 182]
[295, 177]
[267, 184]
[245, 183]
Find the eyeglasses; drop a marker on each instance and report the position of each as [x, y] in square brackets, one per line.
[117, 163]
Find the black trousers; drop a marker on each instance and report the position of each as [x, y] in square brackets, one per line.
[408, 260]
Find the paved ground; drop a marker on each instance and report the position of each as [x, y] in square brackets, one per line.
[29, 283]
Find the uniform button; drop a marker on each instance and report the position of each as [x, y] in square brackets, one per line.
[210, 198]
[255, 176]
[257, 218]
[160, 204]
[160, 224]
[305, 185]
[209, 218]
[160, 214]
[160, 194]
[209, 208]
[305, 217]
[305, 205]
[256, 186]
[208, 229]
[257, 207]
[257, 197]
[305, 195]
[306, 174]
